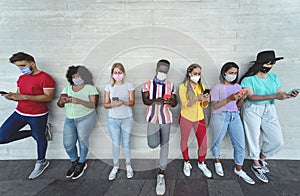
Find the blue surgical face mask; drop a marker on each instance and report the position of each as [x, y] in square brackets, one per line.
[26, 70]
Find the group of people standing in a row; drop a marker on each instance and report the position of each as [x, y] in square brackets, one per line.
[254, 96]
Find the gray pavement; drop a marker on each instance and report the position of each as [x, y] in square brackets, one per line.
[284, 179]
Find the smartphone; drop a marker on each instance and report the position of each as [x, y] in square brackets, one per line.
[243, 91]
[206, 91]
[167, 96]
[3, 92]
[295, 89]
[115, 98]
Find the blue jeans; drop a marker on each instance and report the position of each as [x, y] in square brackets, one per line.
[116, 128]
[231, 122]
[10, 131]
[78, 129]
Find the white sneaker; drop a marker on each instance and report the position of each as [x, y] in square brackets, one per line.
[219, 169]
[129, 171]
[38, 169]
[160, 185]
[113, 173]
[187, 168]
[204, 169]
[244, 176]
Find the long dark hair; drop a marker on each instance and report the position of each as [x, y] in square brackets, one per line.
[253, 70]
[225, 68]
[84, 73]
[186, 81]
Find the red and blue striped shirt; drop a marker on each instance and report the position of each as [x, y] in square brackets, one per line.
[158, 112]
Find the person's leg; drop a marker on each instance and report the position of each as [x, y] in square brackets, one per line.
[271, 132]
[251, 116]
[153, 134]
[85, 126]
[200, 132]
[185, 130]
[38, 128]
[70, 139]
[126, 127]
[10, 129]
[164, 145]
[219, 123]
[115, 132]
[236, 133]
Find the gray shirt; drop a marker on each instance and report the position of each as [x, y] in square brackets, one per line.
[122, 92]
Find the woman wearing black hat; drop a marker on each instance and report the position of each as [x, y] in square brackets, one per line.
[259, 113]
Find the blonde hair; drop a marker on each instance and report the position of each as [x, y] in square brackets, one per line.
[190, 92]
[119, 66]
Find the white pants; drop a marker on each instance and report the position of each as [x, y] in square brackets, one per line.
[261, 119]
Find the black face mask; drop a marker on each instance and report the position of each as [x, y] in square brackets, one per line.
[265, 69]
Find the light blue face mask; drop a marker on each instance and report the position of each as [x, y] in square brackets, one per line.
[26, 70]
[230, 77]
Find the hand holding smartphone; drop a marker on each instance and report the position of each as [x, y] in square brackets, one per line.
[242, 92]
[115, 99]
[295, 89]
[206, 91]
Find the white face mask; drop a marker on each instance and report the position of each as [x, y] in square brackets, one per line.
[195, 78]
[77, 81]
[230, 77]
[161, 76]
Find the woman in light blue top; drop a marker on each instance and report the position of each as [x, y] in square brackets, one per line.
[80, 98]
[226, 98]
[259, 113]
[119, 99]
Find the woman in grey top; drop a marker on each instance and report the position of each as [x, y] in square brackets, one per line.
[119, 100]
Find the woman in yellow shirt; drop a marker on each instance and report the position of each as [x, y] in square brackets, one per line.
[193, 100]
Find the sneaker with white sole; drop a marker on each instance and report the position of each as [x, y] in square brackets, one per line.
[48, 132]
[244, 176]
[129, 171]
[187, 168]
[39, 168]
[219, 169]
[259, 174]
[79, 170]
[204, 169]
[264, 167]
[71, 170]
[113, 173]
[160, 185]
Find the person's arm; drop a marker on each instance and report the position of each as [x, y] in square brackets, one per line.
[279, 95]
[92, 103]
[218, 104]
[148, 101]
[131, 101]
[47, 96]
[108, 103]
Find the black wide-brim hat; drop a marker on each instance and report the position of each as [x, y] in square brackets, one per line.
[266, 56]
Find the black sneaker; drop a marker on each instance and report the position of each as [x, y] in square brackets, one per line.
[79, 170]
[264, 167]
[259, 174]
[71, 170]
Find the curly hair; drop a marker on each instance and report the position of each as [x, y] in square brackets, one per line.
[84, 73]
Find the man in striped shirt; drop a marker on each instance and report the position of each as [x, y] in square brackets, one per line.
[159, 94]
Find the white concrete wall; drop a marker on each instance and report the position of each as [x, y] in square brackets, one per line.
[97, 33]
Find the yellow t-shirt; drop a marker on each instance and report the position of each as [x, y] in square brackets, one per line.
[195, 112]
